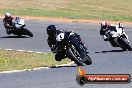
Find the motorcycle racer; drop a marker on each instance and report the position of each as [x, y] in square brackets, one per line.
[52, 41]
[15, 25]
[106, 27]
[7, 21]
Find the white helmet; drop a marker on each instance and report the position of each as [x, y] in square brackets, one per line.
[7, 15]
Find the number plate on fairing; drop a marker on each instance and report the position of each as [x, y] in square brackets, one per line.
[60, 37]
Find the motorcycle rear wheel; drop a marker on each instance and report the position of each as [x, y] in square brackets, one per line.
[88, 60]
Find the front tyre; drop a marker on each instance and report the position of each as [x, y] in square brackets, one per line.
[125, 44]
[27, 32]
[71, 53]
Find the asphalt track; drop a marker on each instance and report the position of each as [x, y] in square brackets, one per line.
[106, 59]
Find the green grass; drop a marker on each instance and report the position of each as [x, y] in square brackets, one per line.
[119, 10]
[13, 60]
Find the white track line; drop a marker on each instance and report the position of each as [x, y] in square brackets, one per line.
[39, 68]
[22, 50]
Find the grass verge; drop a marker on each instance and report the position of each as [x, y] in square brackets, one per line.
[14, 60]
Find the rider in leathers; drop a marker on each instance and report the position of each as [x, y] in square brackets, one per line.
[7, 21]
[53, 44]
[105, 27]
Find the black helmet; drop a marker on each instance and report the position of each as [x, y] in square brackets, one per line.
[51, 30]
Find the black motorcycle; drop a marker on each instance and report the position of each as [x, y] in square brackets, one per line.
[19, 28]
[73, 48]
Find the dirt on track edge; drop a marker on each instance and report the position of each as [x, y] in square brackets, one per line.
[60, 19]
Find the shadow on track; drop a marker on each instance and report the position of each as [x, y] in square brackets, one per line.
[14, 37]
[110, 51]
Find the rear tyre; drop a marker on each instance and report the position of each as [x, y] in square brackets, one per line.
[124, 49]
[88, 60]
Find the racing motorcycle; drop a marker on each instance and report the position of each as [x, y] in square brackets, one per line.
[73, 48]
[119, 37]
[19, 28]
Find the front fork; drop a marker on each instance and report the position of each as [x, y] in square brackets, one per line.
[125, 36]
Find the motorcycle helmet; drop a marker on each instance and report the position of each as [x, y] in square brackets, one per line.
[104, 25]
[51, 30]
[8, 15]
[17, 18]
[121, 25]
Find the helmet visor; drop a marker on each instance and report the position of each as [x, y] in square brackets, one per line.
[104, 27]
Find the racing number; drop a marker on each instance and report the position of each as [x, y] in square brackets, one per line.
[60, 37]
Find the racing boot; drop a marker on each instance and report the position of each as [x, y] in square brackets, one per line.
[8, 31]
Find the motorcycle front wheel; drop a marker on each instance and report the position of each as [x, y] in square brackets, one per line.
[27, 32]
[73, 54]
[125, 44]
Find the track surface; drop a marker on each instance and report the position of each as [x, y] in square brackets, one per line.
[106, 59]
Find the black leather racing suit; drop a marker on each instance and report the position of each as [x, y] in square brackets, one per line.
[53, 44]
[8, 24]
